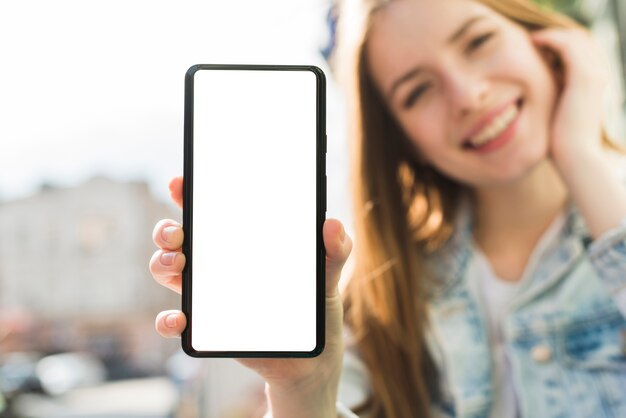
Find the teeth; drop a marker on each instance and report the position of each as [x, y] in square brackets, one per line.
[496, 127]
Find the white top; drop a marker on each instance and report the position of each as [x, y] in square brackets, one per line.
[496, 295]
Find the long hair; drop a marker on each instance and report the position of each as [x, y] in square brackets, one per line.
[403, 210]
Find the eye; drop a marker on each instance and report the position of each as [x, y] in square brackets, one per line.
[477, 42]
[415, 94]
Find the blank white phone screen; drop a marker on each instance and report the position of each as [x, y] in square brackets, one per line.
[254, 211]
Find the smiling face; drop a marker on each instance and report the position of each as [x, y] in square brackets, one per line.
[466, 84]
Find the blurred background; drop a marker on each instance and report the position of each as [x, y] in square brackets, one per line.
[91, 104]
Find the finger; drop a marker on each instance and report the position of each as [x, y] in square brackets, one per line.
[166, 268]
[176, 190]
[551, 43]
[560, 37]
[580, 58]
[567, 43]
[551, 46]
[338, 246]
[170, 324]
[168, 234]
[557, 42]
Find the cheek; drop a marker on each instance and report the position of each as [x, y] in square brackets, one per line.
[542, 95]
[425, 132]
[532, 72]
[542, 79]
[525, 62]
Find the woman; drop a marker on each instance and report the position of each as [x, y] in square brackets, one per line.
[490, 274]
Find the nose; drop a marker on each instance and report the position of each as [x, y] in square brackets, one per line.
[467, 92]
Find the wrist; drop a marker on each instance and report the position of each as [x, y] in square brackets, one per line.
[315, 402]
[575, 162]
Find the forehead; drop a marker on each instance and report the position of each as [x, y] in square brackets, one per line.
[410, 32]
[430, 19]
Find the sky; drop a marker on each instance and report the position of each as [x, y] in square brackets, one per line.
[96, 87]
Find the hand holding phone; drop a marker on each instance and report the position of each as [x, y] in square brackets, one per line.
[168, 235]
[313, 378]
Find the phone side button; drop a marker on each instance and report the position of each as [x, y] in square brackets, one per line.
[325, 143]
[325, 190]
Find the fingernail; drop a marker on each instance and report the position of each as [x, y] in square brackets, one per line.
[170, 320]
[167, 259]
[167, 233]
[342, 235]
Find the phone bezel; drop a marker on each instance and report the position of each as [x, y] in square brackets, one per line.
[321, 144]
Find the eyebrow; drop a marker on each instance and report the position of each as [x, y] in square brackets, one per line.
[415, 71]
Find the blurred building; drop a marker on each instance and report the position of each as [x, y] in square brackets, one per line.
[82, 251]
[74, 274]
[74, 277]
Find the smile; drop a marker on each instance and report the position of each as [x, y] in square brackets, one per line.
[497, 132]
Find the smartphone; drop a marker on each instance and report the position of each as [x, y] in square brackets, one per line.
[254, 204]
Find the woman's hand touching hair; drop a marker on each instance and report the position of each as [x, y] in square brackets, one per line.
[576, 131]
[577, 121]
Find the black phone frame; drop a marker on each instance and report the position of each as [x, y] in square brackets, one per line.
[321, 148]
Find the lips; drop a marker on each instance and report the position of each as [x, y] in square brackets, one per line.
[492, 125]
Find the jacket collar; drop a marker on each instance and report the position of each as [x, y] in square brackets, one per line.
[448, 264]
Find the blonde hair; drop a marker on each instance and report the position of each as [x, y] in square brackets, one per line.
[402, 211]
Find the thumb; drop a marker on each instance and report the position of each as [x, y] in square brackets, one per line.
[338, 247]
[176, 190]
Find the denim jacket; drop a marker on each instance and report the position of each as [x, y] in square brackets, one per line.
[565, 332]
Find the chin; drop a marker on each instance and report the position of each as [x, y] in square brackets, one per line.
[517, 173]
[525, 161]
[509, 174]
